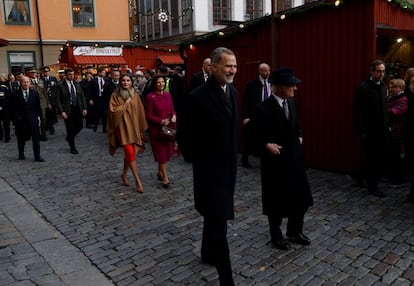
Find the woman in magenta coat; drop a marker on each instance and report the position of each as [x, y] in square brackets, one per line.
[160, 111]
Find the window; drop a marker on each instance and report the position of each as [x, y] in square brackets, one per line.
[284, 5]
[221, 11]
[83, 13]
[254, 9]
[17, 12]
[18, 61]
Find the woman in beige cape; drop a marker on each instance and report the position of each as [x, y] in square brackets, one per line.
[126, 126]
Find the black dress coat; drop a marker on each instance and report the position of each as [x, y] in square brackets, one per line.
[207, 138]
[25, 115]
[196, 80]
[285, 186]
[63, 97]
[252, 97]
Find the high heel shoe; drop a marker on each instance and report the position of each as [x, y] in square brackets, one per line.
[125, 180]
[159, 177]
[140, 188]
[166, 185]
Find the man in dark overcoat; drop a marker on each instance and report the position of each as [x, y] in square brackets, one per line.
[4, 112]
[257, 90]
[71, 105]
[26, 112]
[207, 138]
[285, 188]
[371, 124]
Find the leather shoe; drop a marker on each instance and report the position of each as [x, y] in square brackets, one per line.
[74, 151]
[300, 238]
[40, 159]
[377, 193]
[22, 157]
[43, 138]
[282, 244]
[246, 164]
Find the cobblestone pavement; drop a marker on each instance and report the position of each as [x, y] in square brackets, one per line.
[154, 238]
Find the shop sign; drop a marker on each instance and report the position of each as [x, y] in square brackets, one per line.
[97, 51]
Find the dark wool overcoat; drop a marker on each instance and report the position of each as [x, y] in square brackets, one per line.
[285, 186]
[207, 137]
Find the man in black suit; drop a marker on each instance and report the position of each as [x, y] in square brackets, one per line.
[201, 77]
[26, 111]
[278, 139]
[108, 88]
[256, 91]
[98, 101]
[71, 105]
[207, 138]
[4, 112]
[371, 124]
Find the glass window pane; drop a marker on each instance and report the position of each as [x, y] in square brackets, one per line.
[17, 12]
[83, 13]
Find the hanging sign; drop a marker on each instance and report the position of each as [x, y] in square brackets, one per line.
[97, 51]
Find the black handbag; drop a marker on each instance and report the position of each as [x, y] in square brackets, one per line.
[168, 132]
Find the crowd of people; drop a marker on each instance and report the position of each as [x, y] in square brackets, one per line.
[131, 107]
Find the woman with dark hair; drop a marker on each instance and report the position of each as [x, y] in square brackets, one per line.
[126, 126]
[160, 112]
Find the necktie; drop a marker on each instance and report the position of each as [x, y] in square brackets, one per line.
[285, 109]
[26, 96]
[205, 77]
[265, 91]
[72, 94]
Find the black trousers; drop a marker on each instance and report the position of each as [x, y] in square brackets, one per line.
[215, 249]
[374, 157]
[4, 125]
[73, 124]
[101, 112]
[294, 225]
[22, 136]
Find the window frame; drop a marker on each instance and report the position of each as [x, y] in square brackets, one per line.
[254, 12]
[80, 4]
[221, 10]
[22, 64]
[10, 5]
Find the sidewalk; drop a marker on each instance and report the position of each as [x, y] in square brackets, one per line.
[70, 221]
[32, 252]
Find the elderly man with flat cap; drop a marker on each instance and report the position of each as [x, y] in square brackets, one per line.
[285, 188]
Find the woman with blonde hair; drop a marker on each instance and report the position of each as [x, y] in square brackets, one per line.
[126, 125]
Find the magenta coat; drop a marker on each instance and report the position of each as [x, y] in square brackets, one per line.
[158, 107]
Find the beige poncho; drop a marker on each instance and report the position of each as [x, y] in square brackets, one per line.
[128, 117]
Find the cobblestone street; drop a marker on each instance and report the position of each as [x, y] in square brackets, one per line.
[154, 238]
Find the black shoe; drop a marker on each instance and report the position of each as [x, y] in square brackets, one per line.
[282, 244]
[7, 140]
[43, 138]
[22, 157]
[40, 159]
[410, 199]
[377, 193]
[74, 151]
[52, 131]
[300, 238]
[95, 128]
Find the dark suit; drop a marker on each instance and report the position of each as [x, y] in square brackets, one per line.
[196, 80]
[74, 122]
[207, 138]
[285, 187]
[99, 101]
[109, 87]
[253, 96]
[371, 123]
[25, 117]
[4, 113]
